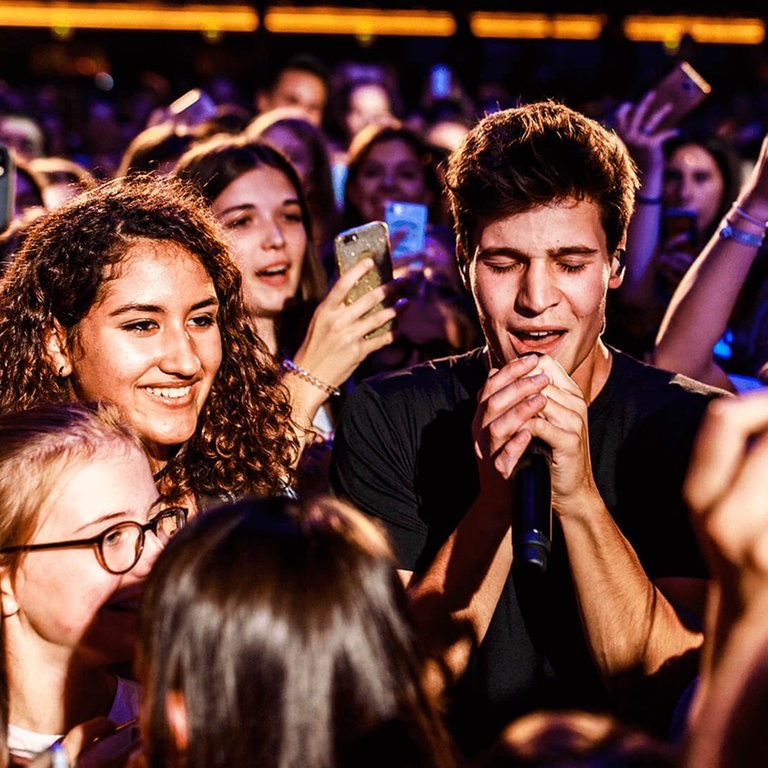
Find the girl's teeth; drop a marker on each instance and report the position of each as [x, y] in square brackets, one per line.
[172, 393]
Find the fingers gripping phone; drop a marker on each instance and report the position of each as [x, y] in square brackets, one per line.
[369, 240]
[682, 89]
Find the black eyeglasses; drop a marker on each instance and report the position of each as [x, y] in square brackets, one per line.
[119, 548]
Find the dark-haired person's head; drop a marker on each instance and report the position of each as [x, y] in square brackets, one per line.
[537, 155]
[389, 163]
[275, 634]
[301, 82]
[257, 197]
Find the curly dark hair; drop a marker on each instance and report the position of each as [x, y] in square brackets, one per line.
[537, 154]
[244, 442]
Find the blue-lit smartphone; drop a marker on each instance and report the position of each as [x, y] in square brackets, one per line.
[407, 223]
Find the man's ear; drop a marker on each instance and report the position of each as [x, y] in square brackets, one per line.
[58, 350]
[176, 714]
[8, 601]
[618, 267]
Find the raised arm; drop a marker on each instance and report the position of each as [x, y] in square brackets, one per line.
[702, 304]
[726, 489]
[636, 125]
[335, 343]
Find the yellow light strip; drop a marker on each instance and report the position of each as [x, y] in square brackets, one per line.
[536, 26]
[703, 29]
[354, 21]
[138, 16]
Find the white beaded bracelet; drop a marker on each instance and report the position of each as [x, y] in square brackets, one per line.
[303, 373]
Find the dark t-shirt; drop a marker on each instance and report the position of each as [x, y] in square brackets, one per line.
[403, 453]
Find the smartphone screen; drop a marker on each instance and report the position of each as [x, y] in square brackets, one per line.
[680, 225]
[407, 224]
[440, 77]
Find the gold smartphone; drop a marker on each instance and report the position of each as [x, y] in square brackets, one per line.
[684, 89]
[369, 240]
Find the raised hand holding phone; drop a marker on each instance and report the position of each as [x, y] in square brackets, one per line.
[368, 241]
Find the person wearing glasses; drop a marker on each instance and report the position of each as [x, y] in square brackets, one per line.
[128, 294]
[81, 524]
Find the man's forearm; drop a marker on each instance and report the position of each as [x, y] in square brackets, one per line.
[630, 626]
[454, 600]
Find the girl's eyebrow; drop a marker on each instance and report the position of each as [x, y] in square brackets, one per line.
[155, 308]
[251, 206]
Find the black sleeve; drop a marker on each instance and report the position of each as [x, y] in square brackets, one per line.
[372, 466]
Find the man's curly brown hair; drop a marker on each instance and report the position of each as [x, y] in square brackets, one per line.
[244, 442]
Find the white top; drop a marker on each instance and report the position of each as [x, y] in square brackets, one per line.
[26, 744]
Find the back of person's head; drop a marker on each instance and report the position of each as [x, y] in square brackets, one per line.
[228, 118]
[155, 149]
[283, 629]
[41, 447]
[63, 178]
[538, 154]
[575, 739]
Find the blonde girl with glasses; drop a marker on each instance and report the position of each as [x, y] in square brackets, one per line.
[80, 527]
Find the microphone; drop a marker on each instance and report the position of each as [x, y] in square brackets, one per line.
[532, 507]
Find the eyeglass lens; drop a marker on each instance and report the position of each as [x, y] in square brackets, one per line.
[122, 545]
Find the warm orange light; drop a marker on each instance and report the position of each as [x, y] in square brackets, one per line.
[703, 29]
[139, 16]
[536, 26]
[354, 21]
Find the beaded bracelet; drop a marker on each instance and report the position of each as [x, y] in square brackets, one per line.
[737, 209]
[649, 200]
[290, 366]
[749, 239]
